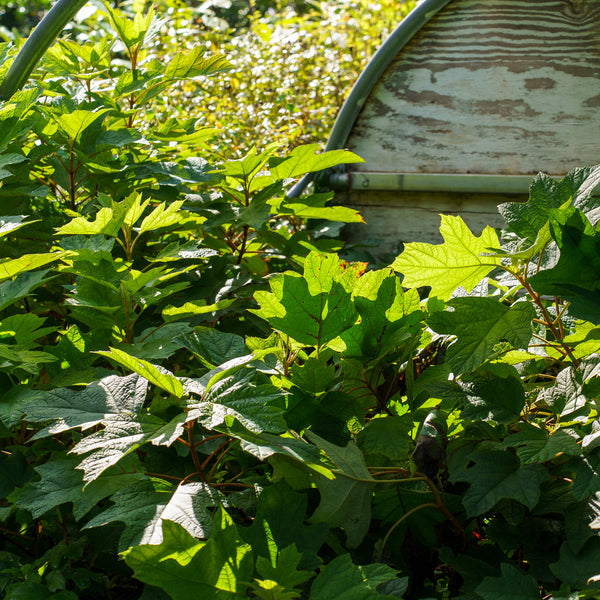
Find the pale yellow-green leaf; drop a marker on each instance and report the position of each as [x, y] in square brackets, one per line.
[103, 223]
[27, 262]
[76, 122]
[189, 309]
[163, 216]
[459, 261]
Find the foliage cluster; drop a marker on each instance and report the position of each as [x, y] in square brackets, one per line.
[292, 68]
[200, 398]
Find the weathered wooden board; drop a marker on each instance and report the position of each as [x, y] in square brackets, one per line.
[494, 86]
[486, 86]
[392, 218]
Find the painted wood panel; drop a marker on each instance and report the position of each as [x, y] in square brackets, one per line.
[509, 87]
[392, 218]
[494, 86]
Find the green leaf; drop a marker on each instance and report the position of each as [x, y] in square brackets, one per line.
[14, 290]
[24, 328]
[513, 584]
[218, 568]
[528, 219]
[191, 309]
[213, 347]
[28, 262]
[314, 376]
[480, 324]
[158, 376]
[164, 216]
[357, 582]
[281, 512]
[345, 500]
[157, 344]
[566, 398]
[389, 317]
[76, 122]
[104, 223]
[497, 475]
[535, 445]
[195, 64]
[283, 567]
[389, 436]
[123, 434]
[10, 224]
[587, 476]
[264, 445]
[304, 159]
[14, 472]
[314, 308]
[576, 276]
[313, 207]
[238, 397]
[494, 392]
[445, 267]
[66, 409]
[190, 170]
[145, 505]
[582, 569]
[61, 482]
[133, 32]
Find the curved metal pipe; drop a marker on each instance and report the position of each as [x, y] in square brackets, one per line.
[38, 42]
[410, 25]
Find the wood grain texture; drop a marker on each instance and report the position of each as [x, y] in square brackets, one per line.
[490, 86]
[392, 218]
[486, 86]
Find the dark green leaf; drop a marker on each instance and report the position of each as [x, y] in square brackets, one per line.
[357, 582]
[479, 324]
[513, 584]
[576, 276]
[62, 482]
[576, 569]
[218, 568]
[345, 500]
[145, 505]
[497, 475]
[283, 511]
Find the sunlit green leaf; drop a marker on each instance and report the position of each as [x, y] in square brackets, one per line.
[159, 377]
[28, 262]
[218, 568]
[304, 159]
[357, 582]
[144, 507]
[459, 261]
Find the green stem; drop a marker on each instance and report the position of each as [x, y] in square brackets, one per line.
[38, 42]
[398, 522]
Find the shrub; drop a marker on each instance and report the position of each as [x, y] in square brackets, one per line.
[201, 399]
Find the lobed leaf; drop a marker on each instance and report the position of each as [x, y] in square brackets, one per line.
[345, 500]
[480, 324]
[458, 262]
[145, 505]
[218, 568]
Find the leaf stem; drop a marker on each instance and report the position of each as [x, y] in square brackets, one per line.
[399, 522]
[550, 323]
[195, 458]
